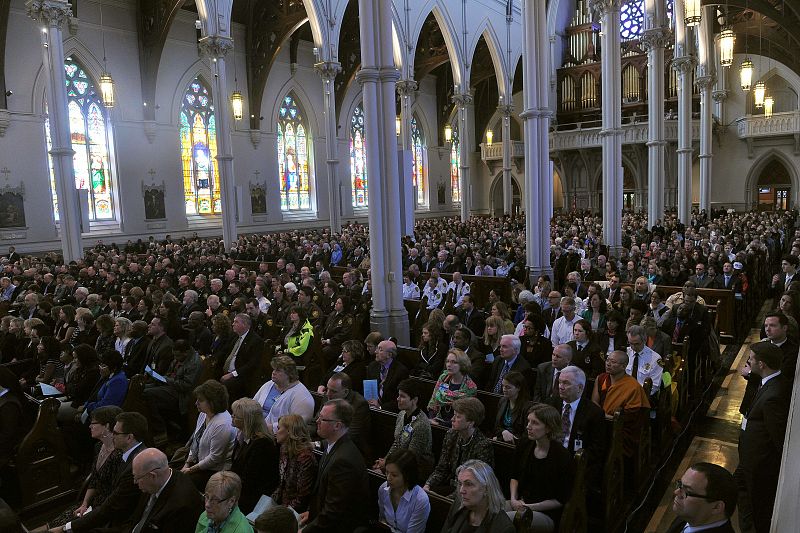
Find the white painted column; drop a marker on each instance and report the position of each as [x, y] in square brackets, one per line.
[408, 193]
[611, 131]
[538, 169]
[215, 47]
[684, 64]
[720, 93]
[466, 133]
[508, 189]
[52, 14]
[378, 77]
[654, 39]
[706, 77]
[328, 70]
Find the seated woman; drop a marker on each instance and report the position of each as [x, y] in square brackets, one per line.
[512, 409]
[104, 466]
[623, 305]
[81, 381]
[500, 309]
[464, 441]
[402, 504]
[596, 312]
[351, 362]
[51, 369]
[122, 333]
[297, 465]
[491, 336]
[211, 444]
[223, 342]
[255, 453]
[284, 394]
[432, 353]
[480, 506]
[587, 350]
[542, 482]
[222, 514]
[614, 337]
[106, 340]
[114, 386]
[85, 333]
[454, 383]
[297, 336]
[412, 431]
[66, 324]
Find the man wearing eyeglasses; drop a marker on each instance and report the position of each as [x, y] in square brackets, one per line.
[129, 432]
[705, 499]
[169, 500]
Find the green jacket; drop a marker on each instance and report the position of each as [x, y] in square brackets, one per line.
[298, 343]
[235, 523]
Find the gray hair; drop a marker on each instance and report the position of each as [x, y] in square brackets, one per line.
[637, 331]
[580, 375]
[515, 342]
[191, 293]
[525, 297]
[484, 475]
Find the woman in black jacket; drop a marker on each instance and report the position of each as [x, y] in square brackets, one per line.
[432, 353]
[255, 453]
[352, 363]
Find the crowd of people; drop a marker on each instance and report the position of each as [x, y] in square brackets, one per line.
[566, 352]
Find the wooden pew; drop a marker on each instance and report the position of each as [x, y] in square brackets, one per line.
[574, 518]
[408, 356]
[613, 476]
[41, 462]
[134, 400]
[722, 299]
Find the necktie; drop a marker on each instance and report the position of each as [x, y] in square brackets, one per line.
[384, 372]
[498, 387]
[676, 333]
[635, 367]
[146, 514]
[565, 424]
[555, 381]
[580, 348]
[232, 355]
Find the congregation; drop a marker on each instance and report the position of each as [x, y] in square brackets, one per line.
[258, 380]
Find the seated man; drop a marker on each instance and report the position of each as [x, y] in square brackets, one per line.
[644, 363]
[170, 400]
[340, 386]
[388, 372]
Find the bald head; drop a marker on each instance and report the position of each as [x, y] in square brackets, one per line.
[150, 470]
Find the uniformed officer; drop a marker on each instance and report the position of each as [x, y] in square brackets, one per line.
[643, 362]
[337, 330]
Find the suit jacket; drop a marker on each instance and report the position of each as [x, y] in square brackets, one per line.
[159, 354]
[135, 356]
[476, 322]
[589, 425]
[761, 442]
[734, 284]
[706, 283]
[117, 508]
[256, 462]
[678, 525]
[248, 358]
[176, 509]
[520, 365]
[337, 505]
[613, 298]
[397, 373]
[544, 383]
[360, 427]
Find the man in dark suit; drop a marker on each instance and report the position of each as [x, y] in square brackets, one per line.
[705, 498]
[340, 386]
[169, 500]
[244, 358]
[547, 374]
[611, 293]
[701, 277]
[551, 314]
[761, 439]
[729, 279]
[341, 488]
[781, 282]
[471, 317]
[129, 430]
[159, 351]
[389, 372]
[135, 355]
[510, 359]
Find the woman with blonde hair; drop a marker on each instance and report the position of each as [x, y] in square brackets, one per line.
[255, 453]
[454, 383]
[492, 334]
[499, 309]
[122, 333]
[297, 466]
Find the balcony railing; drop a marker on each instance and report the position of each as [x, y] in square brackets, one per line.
[635, 133]
[494, 152]
[751, 126]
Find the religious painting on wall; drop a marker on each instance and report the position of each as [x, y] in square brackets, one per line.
[258, 199]
[154, 208]
[12, 209]
[440, 193]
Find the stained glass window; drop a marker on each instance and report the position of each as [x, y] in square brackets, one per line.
[199, 151]
[418, 151]
[631, 19]
[293, 143]
[88, 127]
[358, 159]
[455, 167]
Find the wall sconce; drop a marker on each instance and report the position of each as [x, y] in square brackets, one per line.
[397, 125]
[237, 101]
[448, 133]
[489, 137]
[769, 102]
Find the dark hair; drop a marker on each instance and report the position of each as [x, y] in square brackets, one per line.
[768, 353]
[342, 410]
[106, 415]
[112, 359]
[135, 424]
[411, 387]
[518, 380]
[214, 393]
[355, 349]
[52, 347]
[276, 519]
[86, 355]
[615, 316]
[720, 485]
[406, 461]
[639, 305]
[104, 324]
[780, 315]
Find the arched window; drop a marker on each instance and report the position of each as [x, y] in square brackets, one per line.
[358, 159]
[418, 143]
[455, 168]
[199, 151]
[631, 19]
[89, 133]
[293, 141]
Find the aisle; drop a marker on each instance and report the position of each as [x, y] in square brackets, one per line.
[716, 437]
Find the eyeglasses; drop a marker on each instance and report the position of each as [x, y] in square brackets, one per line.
[329, 420]
[686, 494]
[215, 501]
[115, 433]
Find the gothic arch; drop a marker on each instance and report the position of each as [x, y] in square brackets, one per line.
[448, 32]
[486, 30]
[303, 100]
[74, 48]
[316, 21]
[496, 189]
[751, 184]
[429, 132]
[199, 69]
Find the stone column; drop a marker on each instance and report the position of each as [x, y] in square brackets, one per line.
[508, 189]
[720, 93]
[466, 126]
[654, 40]
[706, 78]
[538, 170]
[408, 193]
[378, 77]
[52, 14]
[328, 70]
[215, 48]
[684, 63]
[611, 132]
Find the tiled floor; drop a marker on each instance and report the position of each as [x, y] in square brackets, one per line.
[716, 439]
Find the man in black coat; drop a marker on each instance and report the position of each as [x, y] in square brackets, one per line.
[341, 488]
[763, 431]
[243, 359]
[135, 356]
[510, 359]
[705, 497]
[340, 386]
[169, 500]
[471, 317]
[547, 374]
[388, 372]
[781, 282]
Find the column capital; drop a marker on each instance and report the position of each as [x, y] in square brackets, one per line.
[463, 99]
[50, 12]
[720, 95]
[705, 82]
[602, 7]
[683, 64]
[506, 110]
[406, 87]
[215, 46]
[655, 38]
[536, 113]
[328, 70]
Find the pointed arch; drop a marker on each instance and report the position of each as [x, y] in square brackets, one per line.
[318, 24]
[486, 30]
[294, 149]
[198, 69]
[751, 183]
[358, 158]
[419, 152]
[448, 32]
[303, 99]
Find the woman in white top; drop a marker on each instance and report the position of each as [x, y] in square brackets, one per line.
[284, 394]
[402, 504]
[122, 331]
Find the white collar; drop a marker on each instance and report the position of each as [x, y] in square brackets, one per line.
[127, 454]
